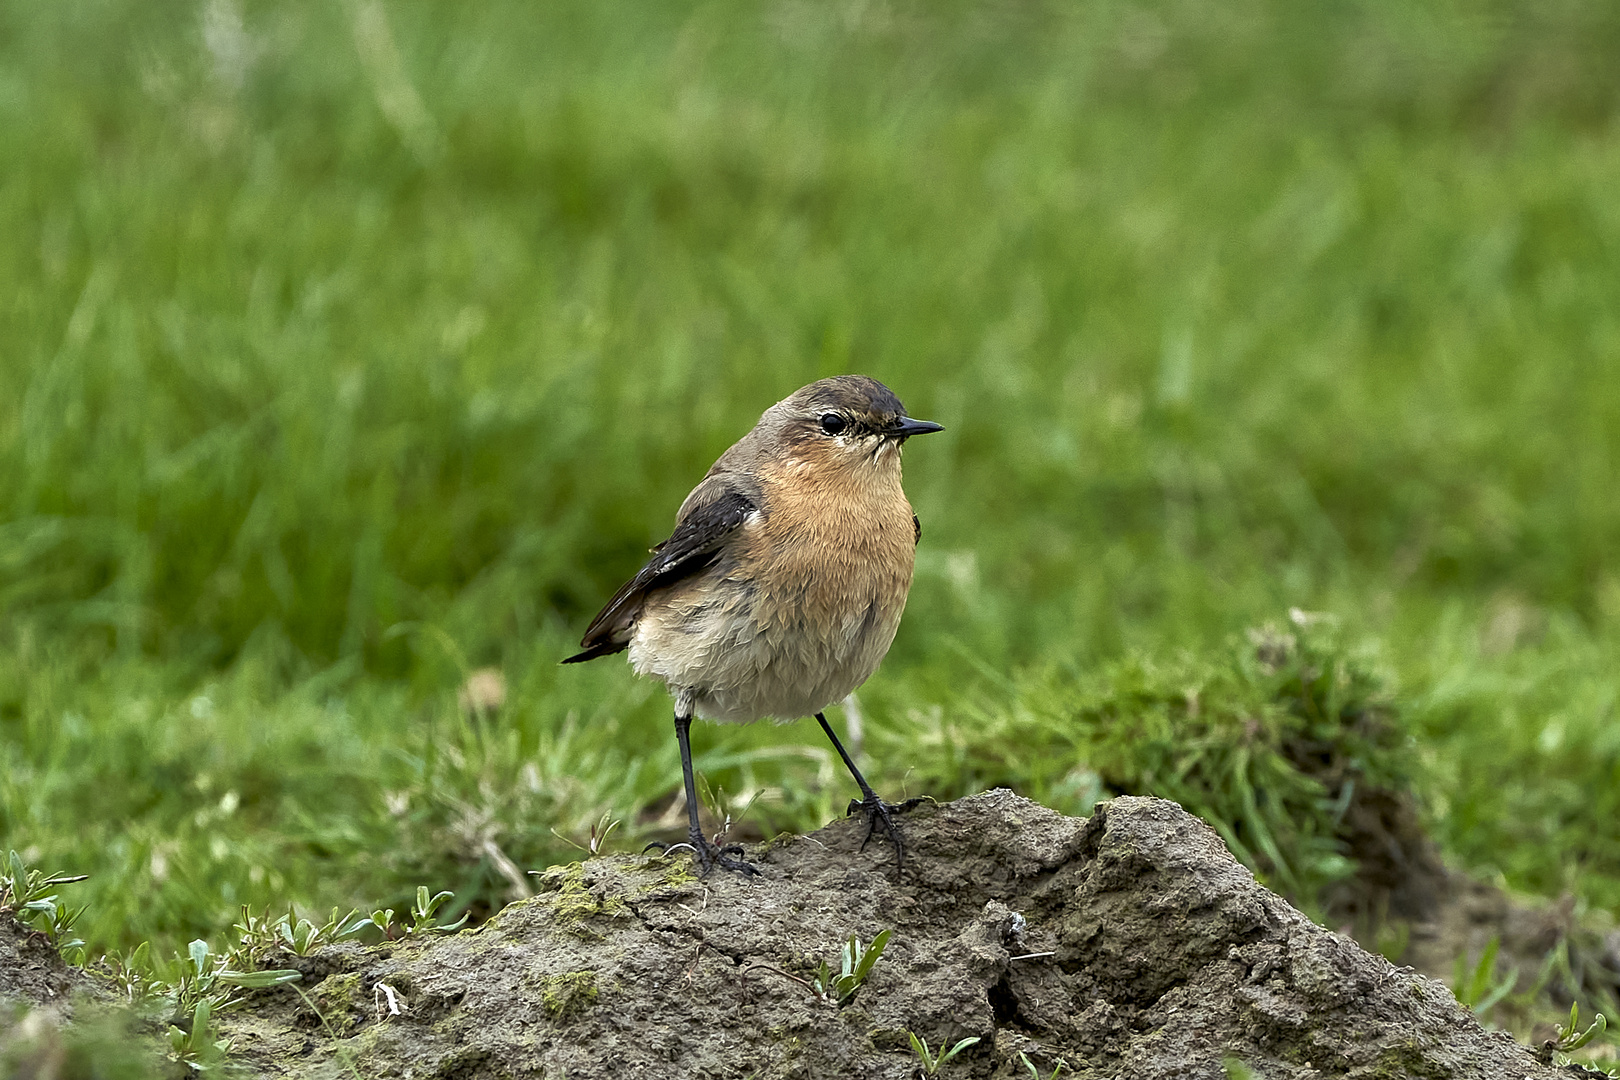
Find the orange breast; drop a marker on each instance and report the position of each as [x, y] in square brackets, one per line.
[835, 544]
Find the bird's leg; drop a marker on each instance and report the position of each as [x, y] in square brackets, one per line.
[708, 855]
[876, 810]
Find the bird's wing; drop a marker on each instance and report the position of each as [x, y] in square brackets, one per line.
[714, 510]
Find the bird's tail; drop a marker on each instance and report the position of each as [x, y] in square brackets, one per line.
[601, 648]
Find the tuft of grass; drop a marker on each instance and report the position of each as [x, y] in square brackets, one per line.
[1269, 740]
[1521, 751]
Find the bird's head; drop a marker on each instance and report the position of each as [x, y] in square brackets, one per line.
[846, 422]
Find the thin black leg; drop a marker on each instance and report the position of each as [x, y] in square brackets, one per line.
[876, 810]
[866, 789]
[683, 736]
[708, 855]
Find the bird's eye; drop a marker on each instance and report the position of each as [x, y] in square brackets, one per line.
[832, 423]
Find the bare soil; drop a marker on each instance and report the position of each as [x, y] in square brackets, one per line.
[1130, 944]
[32, 971]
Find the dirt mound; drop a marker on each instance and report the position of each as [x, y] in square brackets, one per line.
[32, 971]
[1130, 944]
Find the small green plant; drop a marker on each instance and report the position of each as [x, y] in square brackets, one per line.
[201, 975]
[195, 986]
[204, 976]
[1236, 1070]
[1480, 989]
[1036, 1073]
[30, 895]
[422, 914]
[423, 920]
[931, 1063]
[197, 1046]
[132, 975]
[1571, 1037]
[855, 963]
[260, 936]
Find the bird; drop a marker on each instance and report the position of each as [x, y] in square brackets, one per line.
[781, 587]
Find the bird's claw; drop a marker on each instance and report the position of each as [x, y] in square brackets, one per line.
[882, 813]
[709, 855]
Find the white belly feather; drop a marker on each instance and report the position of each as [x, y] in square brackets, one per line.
[740, 666]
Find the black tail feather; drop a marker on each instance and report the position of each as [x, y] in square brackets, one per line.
[601, 648]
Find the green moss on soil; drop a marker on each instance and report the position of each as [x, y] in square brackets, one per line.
[568, 994]
[573, 903]
[341, 1003]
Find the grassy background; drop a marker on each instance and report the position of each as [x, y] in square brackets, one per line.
[351, 346]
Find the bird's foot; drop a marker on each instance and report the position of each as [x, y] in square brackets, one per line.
[882, 813]
[709, 855]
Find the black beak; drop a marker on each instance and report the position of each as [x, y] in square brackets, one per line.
[908, 427]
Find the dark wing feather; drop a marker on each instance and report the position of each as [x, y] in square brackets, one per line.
[694, 545]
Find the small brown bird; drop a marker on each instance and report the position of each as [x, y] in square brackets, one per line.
[782, 585]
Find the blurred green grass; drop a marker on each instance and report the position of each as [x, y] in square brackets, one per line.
[352, 346]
